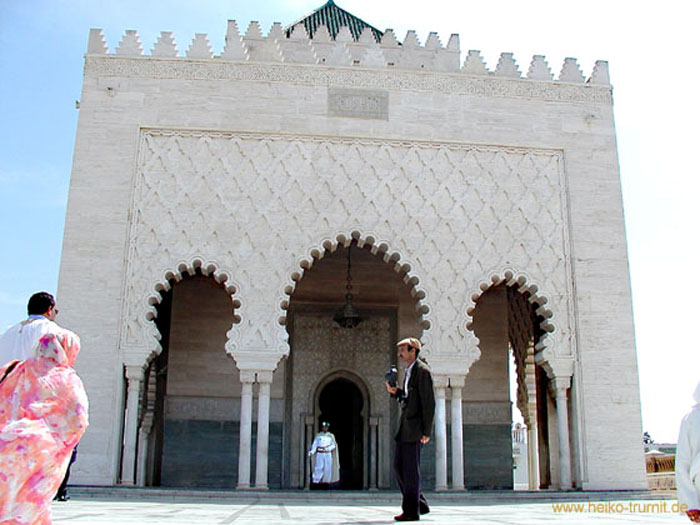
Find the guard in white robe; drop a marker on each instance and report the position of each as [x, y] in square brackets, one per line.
[688, 461]
[324, 450]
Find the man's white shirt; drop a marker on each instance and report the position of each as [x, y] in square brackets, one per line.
[19, 341]
[406, 379]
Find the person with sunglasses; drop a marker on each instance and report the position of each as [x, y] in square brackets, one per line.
[19, 341]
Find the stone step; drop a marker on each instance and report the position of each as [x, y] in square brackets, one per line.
[484, 497]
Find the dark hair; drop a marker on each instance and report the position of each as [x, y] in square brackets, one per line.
[410, 347]
[39, 303]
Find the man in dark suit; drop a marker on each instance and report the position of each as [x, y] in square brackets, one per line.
[417, 401]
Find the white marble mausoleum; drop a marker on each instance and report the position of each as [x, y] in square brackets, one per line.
[221, 199]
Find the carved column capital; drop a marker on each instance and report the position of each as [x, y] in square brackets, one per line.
[135, 374]
[136, 356]
[264, 377]
[555, 367]
[453, 365]
[257, 359]
[559, 386]
[457, 382]
[247, 376]
[440, 382]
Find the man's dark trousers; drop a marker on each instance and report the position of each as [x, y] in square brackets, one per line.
[407, 469]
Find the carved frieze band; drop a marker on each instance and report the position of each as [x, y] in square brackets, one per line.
[457, 83]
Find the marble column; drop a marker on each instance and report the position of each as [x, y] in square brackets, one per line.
[134, 377]
[373, 427]
[246, 425]
[533, 440]
[533, 457]
[142, 458]
[309, 424]
[456, 385]
[146, 428]
[560, 385]
[263, 439]
[440, 435]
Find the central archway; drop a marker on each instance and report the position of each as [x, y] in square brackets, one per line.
[322, 351]
[341, 403]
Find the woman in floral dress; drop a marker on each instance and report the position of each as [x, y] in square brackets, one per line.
[43, 414]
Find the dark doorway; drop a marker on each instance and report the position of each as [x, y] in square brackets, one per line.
[341, 406]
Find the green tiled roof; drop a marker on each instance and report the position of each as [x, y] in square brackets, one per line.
[334, 18]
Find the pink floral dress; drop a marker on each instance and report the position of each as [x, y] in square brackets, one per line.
[43, 414]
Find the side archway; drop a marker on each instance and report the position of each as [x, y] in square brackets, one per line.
[511, 318]
[146, 367]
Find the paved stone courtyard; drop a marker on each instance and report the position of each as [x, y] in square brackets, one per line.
[310, 510]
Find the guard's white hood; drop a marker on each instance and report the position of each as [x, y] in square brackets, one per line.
[696, 394]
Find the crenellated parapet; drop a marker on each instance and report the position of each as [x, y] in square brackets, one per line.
[293, 46]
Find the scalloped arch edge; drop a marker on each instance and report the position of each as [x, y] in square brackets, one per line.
[379, 247]
[523, 283]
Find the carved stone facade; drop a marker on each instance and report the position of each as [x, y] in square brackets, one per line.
[484, 210]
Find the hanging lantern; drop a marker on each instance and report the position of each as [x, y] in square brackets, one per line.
[348, 316]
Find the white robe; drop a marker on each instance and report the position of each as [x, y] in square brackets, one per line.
[326, 468]
[18, 341]
[688, 457]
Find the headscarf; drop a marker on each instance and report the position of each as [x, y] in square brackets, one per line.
[62, 348]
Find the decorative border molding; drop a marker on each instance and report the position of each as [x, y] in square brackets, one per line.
[449, 83]
[344, 139]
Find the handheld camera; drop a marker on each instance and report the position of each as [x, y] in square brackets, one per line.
[392, 376]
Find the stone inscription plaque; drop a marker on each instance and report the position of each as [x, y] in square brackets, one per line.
[358, 103]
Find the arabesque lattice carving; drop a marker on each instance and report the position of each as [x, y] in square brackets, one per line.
[260, 204]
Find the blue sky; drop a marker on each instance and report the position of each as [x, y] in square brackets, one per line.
[653, 69]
